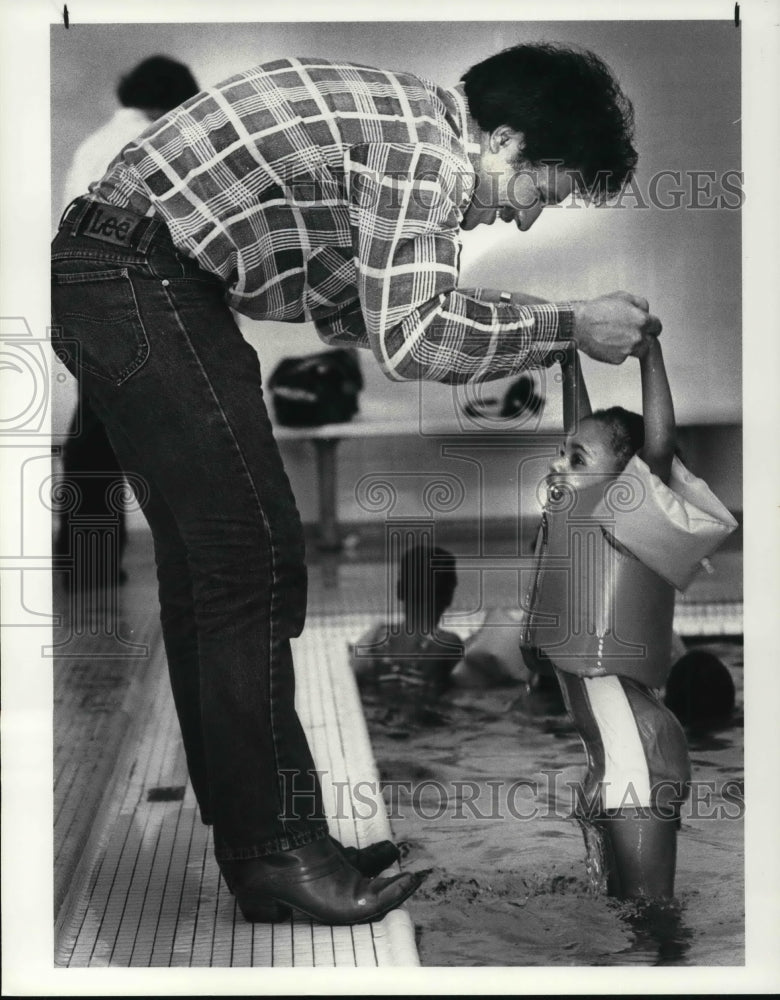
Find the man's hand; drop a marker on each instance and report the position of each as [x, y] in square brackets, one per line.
[611, 327]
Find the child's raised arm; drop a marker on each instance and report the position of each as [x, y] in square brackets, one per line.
[658, 411]
[575, 392]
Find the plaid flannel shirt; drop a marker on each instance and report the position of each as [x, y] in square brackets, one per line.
[334, 193]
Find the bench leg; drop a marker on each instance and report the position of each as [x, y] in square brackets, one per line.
[330, 537]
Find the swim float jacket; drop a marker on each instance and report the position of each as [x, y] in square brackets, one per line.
[607, 560]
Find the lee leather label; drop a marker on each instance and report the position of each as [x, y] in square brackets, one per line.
[112, 225]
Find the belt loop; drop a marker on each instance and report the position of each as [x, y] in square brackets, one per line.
[83, 207]
[146, 237]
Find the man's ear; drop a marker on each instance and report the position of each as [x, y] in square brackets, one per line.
[504, 136]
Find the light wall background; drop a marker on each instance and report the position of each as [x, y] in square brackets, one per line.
[684, 80]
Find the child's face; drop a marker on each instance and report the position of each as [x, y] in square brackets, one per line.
[585, 459]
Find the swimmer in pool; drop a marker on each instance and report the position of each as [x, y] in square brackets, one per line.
[700, 690]
[413, 656]
[624, 523]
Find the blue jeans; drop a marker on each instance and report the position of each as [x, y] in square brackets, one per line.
[166, 369]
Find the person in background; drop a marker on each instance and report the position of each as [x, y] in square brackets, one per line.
[414, 656]
[700, 690]
[89, 464]
[145, 93]
[307, 189]
[624, 524]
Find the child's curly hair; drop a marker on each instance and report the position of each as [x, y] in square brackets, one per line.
[626, 430]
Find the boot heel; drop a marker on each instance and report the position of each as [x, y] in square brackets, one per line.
[262, 910]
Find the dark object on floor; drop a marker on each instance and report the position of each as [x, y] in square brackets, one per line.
[166, 793]
[319, 389]
[520, 397]
[700, 689]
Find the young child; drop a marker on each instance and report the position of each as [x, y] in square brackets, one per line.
[413, 655]
[624, 524]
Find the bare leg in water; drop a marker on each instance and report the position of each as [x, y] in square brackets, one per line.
[632, 853]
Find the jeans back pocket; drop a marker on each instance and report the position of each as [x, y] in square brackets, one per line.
[97, 327]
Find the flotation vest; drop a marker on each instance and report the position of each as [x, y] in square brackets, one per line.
[591, 603]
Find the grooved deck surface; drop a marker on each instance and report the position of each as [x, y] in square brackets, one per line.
[151, 893]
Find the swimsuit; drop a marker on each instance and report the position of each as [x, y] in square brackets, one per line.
[601, 603]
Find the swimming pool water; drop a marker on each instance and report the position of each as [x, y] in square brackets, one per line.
[477, 788]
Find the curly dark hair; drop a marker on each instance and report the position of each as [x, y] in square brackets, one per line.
[427, 577]
[157, 84]
[626, 430]
[568, 105]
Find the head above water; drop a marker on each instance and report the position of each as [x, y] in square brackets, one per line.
[427, 579]
[700, 689]
[553, 119]
[599, 449]
[156, 85]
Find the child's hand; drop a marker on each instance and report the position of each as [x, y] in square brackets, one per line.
[645, 346]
